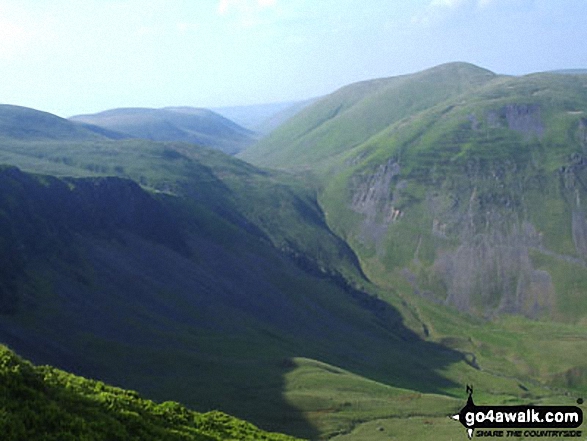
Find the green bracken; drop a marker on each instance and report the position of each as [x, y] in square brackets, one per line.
[44, 403]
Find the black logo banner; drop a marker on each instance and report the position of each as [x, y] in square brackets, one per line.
[474, 417]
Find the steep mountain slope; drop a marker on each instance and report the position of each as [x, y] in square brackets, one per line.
[183, 295]
[271, 205]
[44, 403]
[485, 194]
[470, 195]
[187, 124]
[351, 115]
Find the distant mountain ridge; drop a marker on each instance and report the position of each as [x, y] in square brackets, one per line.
[23, 123]
[186, 124]
[570, 71]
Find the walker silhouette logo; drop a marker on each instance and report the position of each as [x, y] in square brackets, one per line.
[518, 421]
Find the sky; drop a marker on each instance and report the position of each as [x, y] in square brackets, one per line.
[71, 57]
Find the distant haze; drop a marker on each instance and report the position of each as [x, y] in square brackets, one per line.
[263, 118]
[68, 57]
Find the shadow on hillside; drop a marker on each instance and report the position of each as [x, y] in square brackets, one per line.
[212, 328]
[217, 337]
[219, 349]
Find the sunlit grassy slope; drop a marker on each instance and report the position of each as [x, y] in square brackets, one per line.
[203, 346]
[351, 115]
[466, 184]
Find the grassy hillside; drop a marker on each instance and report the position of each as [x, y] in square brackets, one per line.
[351, 115]
[215, 317]
[272, 205]
[185, 124]
[465, 208]
[22, 123]
[464, 184]
[476, 202]
[44, 403]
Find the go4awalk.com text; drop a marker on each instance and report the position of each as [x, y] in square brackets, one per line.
[528, 421]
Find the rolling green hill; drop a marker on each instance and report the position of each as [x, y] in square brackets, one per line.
[460, 190]
[351, 115]
[22, 123]
[185, 124]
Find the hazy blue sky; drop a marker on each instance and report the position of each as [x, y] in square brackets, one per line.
[80, 56]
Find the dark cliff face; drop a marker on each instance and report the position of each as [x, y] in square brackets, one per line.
[55, 208]
[40, 218]
[111, 203]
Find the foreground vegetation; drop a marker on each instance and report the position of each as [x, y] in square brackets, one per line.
[44, 403]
